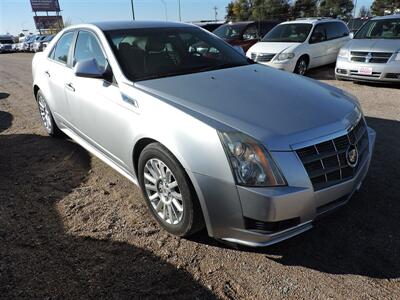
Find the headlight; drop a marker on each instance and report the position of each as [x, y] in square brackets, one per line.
[397, 57]
[251, 163]
[285, 56]
[344, 53]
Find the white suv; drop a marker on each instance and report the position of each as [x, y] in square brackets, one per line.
[299, 45]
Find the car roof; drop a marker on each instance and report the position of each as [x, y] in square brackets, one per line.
[116, 25]
[312, 21]
[396, 16]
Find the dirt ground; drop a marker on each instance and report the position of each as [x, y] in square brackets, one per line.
[71, 227]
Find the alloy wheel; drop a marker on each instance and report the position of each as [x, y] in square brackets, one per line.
[163, 191]
[45, 113]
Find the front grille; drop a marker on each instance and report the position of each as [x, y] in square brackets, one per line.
[326, 162]
[393, 75]
[374, 74]
[262, 57]
[370, 57]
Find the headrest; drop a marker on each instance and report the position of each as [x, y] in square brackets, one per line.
[155, 45]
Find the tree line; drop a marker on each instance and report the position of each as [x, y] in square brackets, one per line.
[243, 10]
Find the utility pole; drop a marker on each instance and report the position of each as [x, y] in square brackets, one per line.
[133, 11]
[179, 7]
[355, 8]
[215, 13]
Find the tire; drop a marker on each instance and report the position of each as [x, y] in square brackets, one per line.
[301, 66]
[47, 117]
[176, 209]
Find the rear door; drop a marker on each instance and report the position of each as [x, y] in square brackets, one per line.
[57, 72]
[337, 35]
[318, 46]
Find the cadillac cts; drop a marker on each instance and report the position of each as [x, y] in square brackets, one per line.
[212, 139]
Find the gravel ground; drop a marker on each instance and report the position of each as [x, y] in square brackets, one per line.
[72, 227]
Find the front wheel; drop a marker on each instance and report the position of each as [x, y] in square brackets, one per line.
[167, 191]
[301, 66]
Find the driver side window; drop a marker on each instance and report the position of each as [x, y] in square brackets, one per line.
[87, 47]
[318, 35]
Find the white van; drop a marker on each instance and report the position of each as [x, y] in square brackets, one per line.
[299, 45]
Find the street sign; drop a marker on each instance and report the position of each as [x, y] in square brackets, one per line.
[48, 22]
[45, 5]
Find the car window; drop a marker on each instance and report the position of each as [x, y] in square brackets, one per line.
[250, 33]
[151, 53]
[319, 34]
[87, 47]
[266, 27]
[288, 33]
[229, 31]
[61, 50]
[335, 30]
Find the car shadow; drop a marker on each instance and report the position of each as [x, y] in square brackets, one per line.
[361, 238]
[4, 95]
[5, 120]
[322, 73]
[39, 259]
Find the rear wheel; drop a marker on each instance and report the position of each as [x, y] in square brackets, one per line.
[301, 66]
[167, 191]
[47, 118]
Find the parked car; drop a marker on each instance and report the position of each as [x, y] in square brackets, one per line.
[37, 45]
[244, 34]
[37, 38]
[27, 43]
[374, 52]
[6, 44]
[256, 162]
[297, 46]
[355, 24]
[47, 40]
[209, 25]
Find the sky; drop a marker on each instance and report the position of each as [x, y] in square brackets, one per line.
[16, 15]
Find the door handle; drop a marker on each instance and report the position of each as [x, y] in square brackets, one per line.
[47, 73]
[70, 87]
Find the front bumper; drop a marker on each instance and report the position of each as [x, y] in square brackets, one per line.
[289, 210]
[288, 65]
[385, 72]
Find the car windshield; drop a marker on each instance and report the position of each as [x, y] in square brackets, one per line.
[229, 31]
[149, 53]
[380, 29]
[291, 33]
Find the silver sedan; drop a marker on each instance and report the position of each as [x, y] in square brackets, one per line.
[252, 153]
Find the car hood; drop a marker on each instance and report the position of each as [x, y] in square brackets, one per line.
[275, 107]
[374, 45]
[267, 47]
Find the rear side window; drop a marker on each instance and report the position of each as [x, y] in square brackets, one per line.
[87, 47]
[61, 50]
[336, 30]
[319, 34]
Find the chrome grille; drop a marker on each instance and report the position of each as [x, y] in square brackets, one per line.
[370, 57]
[262, 57]
[326, 162]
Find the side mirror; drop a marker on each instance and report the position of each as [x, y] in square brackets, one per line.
[351, 35]
[90, 69]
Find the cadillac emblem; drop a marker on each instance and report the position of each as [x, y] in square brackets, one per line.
[352, 156]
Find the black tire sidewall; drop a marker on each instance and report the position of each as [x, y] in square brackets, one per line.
[156, 150]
